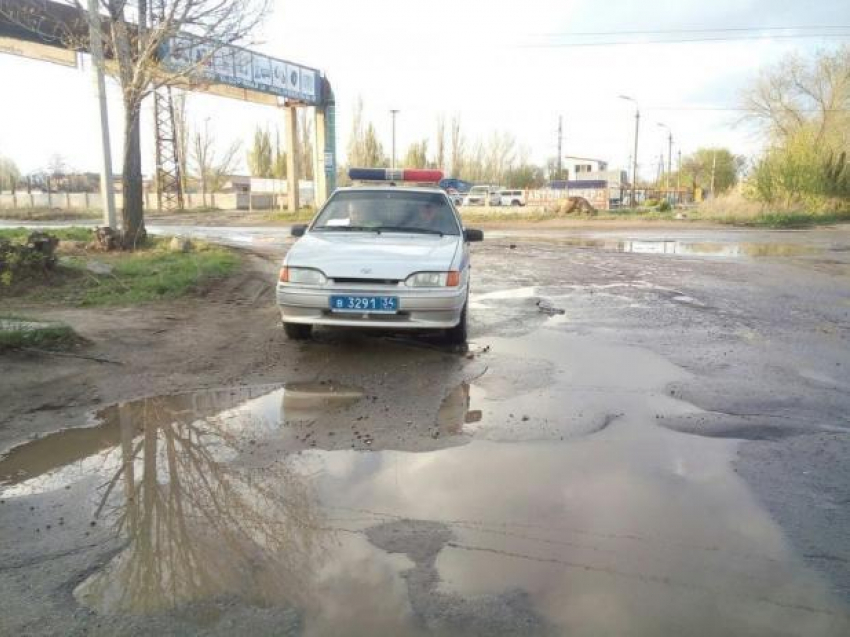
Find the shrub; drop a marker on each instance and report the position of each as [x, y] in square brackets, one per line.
[37, 254]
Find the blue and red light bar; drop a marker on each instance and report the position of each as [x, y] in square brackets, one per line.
[420, 175]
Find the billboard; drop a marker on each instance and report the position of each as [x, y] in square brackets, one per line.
[38, 51]
[235, 66]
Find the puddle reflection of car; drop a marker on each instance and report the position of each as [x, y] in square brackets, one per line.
[391, 255]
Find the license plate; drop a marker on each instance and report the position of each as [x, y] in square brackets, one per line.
[364, 304]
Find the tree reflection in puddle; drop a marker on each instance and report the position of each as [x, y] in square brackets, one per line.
[200, 523]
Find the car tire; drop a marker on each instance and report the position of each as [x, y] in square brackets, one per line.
[458, 334]
[516, 202]
[297, 331]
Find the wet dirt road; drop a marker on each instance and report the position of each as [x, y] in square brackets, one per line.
[648, 436]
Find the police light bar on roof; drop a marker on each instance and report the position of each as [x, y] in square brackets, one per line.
[421, 175]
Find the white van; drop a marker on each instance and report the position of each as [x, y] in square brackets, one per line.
[512, 197]
[477, 196]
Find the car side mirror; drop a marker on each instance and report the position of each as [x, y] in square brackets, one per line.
[471, 234]
[298, 230]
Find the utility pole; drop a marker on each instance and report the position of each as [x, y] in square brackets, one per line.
[678, 176]
[713, 166]
[635, 156]
[660, 170]
[560, 145]
[107, 194]
[669, 158]
[394, 112]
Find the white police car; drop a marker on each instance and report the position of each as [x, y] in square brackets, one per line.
[390, 255]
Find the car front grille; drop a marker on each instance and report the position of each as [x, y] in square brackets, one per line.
[361, 281]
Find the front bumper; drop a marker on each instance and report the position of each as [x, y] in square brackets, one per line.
[424, 308]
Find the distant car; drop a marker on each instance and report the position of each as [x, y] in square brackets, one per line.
[455, 196]
[479, 195]
[512, 197]
[380, 256]
[458, 185]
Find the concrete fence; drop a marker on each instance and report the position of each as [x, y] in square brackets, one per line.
[91, 201]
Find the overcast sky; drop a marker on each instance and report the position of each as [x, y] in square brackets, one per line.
[498, 65]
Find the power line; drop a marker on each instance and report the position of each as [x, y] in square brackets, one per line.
[552, 45]
[707, 30]
[738, 108]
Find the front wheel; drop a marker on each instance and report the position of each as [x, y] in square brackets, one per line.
[297, 331]
[457, 335]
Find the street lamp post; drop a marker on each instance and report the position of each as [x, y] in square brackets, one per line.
[669, 158]
[202, 152]
[635, 156]
[107, 192]
[394, 112]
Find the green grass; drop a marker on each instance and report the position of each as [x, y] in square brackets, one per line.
[49, 214]
[778, 219]
[73, 233]
[781, 219]
[48, 336]
[151, 273]
[304, 215]
[638, 213]
[485, 217]
[184, 211]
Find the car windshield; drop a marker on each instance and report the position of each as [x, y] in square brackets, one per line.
[388, 211]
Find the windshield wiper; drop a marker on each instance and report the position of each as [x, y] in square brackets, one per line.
[408, 229]
[347, 228]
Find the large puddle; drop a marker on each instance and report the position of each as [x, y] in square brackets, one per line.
[695, 248]
[542, 500]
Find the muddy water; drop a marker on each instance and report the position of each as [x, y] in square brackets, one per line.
[695, 248]
[538, 496]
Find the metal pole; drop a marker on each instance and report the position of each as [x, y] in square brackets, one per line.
[107, 195]
[560, 145]
[634, 165]
[393, 111]
[204, 162]
[679, 177]
[669, 163]
[713, 166]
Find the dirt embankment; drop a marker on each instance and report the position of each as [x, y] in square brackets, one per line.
[229, 335]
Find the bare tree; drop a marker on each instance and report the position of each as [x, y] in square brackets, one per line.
[181, 129]
[797, 93]
[279, 162]
[135, 34]
[440, 146]
[9, 174]
[260, 159]
[305, 143]
[364, 149]
[457, 148]
[212, 168]
[417, 155]
[57, 170]
[803, 106]
[500, 155]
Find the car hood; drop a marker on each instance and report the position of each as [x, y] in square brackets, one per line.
[386, 256]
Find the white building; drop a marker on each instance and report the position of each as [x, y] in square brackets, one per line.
[578, 167]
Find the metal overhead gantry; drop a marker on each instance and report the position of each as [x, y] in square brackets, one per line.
[56, 31]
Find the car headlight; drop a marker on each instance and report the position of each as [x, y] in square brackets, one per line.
[433, 279]
[302, 276]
